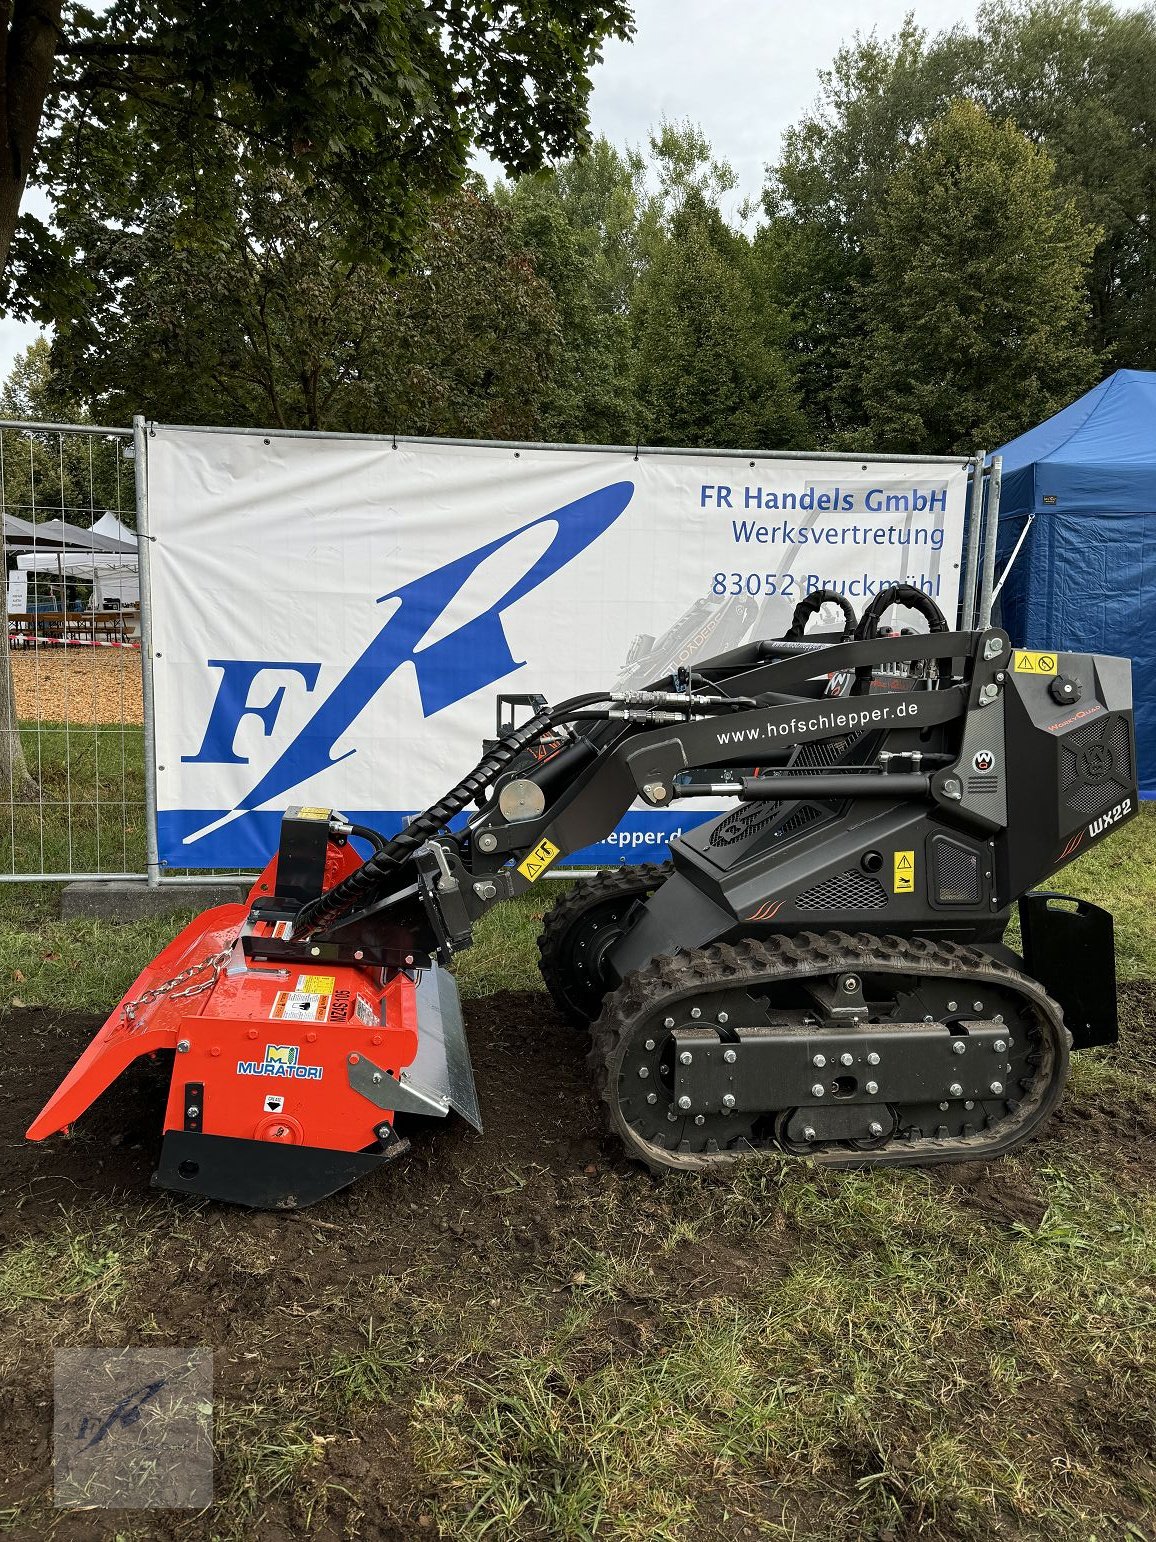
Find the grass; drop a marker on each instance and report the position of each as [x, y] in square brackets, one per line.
[894, 1371]
[789, 1354]
[890, 1364]
[73, 1262]
[89, 812]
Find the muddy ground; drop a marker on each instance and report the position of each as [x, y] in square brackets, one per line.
[464, 1214]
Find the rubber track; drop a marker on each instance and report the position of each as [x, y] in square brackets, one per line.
[610, 883]
[667, 981]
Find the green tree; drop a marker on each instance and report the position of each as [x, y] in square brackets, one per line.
[1079, 77]
[822, 195]
[599, 229]
[1076, 76]
[976, 305]
[709, 368]
[379, 99]
[273, 323]
[588, 227]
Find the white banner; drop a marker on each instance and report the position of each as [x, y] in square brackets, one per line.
[333, 618]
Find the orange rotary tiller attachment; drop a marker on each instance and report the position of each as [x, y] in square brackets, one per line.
[286, 1075]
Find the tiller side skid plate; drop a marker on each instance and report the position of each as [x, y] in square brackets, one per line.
[286, 1079]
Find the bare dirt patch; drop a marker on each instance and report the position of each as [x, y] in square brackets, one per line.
[77, 685]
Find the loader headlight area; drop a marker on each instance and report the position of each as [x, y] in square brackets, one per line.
[520, 800]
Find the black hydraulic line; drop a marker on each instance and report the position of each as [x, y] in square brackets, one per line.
[900, 594]
[835, 784]
[810, 606]
[364, 833]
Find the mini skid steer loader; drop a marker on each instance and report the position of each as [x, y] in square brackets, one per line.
[820, 970]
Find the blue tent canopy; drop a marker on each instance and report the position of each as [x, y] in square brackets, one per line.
[1085, 578]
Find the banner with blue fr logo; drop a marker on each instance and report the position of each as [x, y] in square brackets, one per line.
[333, 616]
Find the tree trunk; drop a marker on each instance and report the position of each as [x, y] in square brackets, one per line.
[31, 33]
[29, 39]
[16, 785]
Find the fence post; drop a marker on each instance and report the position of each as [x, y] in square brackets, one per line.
[144, 542]
[970, 584]
[991, 536]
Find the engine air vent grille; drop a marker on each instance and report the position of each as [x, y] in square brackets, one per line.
[850, 890]
[1096, 766]
[955, 872]
[750, 819]
[822, 753]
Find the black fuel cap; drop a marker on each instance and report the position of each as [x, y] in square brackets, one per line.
[1064, 689]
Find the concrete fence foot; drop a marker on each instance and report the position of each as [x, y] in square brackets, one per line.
[119, 899]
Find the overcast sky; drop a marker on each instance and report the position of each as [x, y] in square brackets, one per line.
[742, 69]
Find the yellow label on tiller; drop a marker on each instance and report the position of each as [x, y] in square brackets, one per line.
[317, 984]
[538, 861]
[1025, 662]
[905, 872]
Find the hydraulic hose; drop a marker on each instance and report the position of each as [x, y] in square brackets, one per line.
[900, 594]
[911, 598]
[811, 605]
[373, 838]
[357, 889]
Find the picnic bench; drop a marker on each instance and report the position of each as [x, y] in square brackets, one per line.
[27, 628]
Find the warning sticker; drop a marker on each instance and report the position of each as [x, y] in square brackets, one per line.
[1025, 662]
[538, 860]
[905, 872]
[316, 984]
[365, 1012]
[274, 1104]
[300, 1006]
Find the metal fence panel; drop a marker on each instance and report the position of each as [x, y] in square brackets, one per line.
[79, 704]
[74, 707]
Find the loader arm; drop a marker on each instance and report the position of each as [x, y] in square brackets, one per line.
[752, 708]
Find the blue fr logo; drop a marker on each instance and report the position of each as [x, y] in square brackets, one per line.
[473, 656]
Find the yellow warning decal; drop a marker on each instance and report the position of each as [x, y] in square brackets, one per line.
[318, 984]
[538, 860]
[313, 813]
[905, 872]
[1024, 662]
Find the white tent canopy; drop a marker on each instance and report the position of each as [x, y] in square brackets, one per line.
[104, 557]
[114, 528]
[112, 576]
[120, 584]
[74, 564]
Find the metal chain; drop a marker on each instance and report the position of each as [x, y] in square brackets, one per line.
[213, 961]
